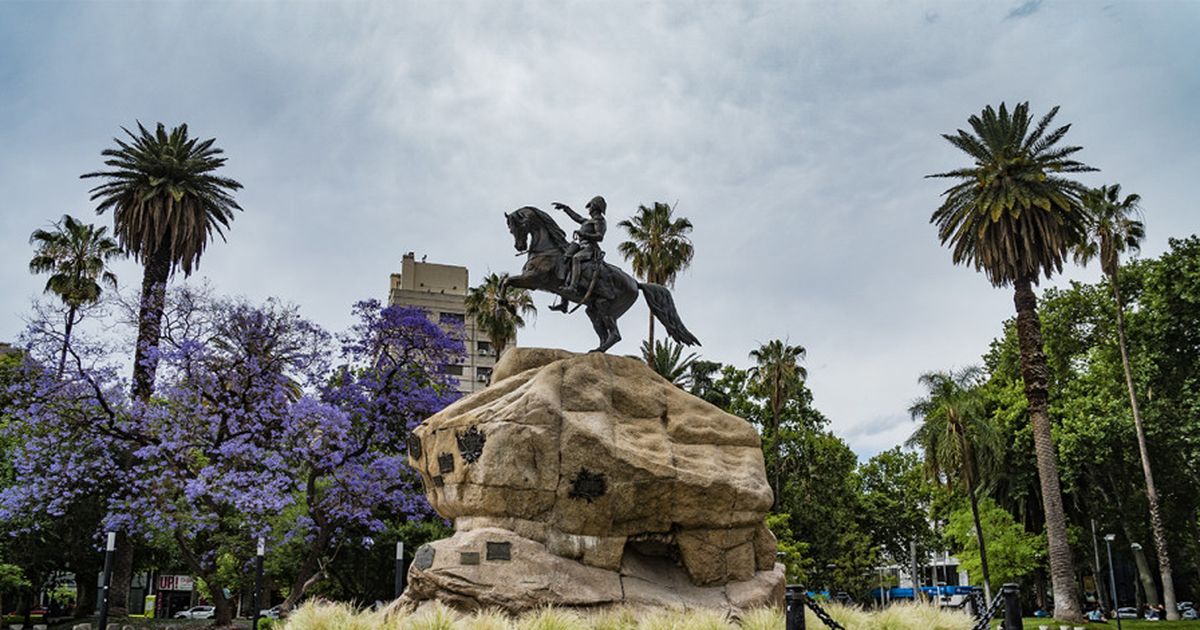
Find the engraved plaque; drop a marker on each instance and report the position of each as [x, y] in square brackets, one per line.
[414, 446]
[499, 551]
[446, 463]
[468, 557]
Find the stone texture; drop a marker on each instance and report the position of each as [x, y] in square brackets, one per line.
[609, 483]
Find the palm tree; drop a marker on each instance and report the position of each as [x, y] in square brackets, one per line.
[777, 376]
[1014, 217]
[658, 246]
[666, 361]
[1114, 229]
[957, 439]
[497, 314]
[167, 203]
[75, 255]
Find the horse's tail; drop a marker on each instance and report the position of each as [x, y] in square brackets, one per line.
[662, 305]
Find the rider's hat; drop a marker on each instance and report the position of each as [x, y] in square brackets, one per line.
[597, 203]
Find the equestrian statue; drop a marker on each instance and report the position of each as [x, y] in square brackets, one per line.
[576, 272]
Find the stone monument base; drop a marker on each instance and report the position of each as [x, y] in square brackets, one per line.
[495, 568]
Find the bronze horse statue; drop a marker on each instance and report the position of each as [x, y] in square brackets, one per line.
[610, 291]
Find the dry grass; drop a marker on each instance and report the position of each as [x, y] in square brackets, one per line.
[334, 616]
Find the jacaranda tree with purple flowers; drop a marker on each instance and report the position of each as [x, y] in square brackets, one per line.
[250, 421]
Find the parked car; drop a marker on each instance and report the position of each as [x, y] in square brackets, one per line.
[197, 612]
[1127, 612]
[271, 613]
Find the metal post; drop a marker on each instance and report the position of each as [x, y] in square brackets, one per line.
[258, 582]
[793, 598]
[400, 568]
[109, 548]
[1112, 580]
[1012, 607]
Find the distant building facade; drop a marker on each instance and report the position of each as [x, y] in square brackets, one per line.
[442, 291]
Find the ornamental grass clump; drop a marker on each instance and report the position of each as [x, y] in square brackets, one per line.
[329, 616]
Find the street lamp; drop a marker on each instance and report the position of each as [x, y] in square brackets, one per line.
[1112, 580]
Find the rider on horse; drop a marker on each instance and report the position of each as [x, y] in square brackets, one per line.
[585, 248]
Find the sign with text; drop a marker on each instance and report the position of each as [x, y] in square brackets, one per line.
[175, 583]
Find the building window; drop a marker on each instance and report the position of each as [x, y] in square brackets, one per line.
[450, 318]
[485, 348]
[452, 370]
[483, 375]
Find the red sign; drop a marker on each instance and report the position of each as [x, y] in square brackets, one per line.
[175, 583]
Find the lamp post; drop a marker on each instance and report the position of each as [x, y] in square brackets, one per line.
[1112, 580]
[109, 548]
[258, 580]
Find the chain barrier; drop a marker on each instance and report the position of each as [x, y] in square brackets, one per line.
[821, 614]
[990, 613]
[978, 605]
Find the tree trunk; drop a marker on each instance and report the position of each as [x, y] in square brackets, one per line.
[1035, 374]
[150, 313]
[1144, 575]
[1156, 524]
[309, 573]
[154, 291]
[987, 581]
[62, 358]
[85, 592]
[122, 576]
[224, 611]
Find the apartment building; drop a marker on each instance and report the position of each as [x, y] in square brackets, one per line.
[442, 291]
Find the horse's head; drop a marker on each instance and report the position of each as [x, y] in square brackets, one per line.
[518, 228]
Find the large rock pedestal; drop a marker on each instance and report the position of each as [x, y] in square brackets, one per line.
[589, 480]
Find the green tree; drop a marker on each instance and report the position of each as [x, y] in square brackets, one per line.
[76, 256]
[167, 203]
[958, 440]
[658, 246]
[776, 377]
[1013, 217]
[667, 361]
[1114, 229]
[896, 499]
[499, 314]
[1013, 551]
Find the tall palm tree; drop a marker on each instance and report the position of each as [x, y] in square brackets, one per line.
[658, 246]
[1014, 217]
[667, 361]
[958, 440]
[167, 203]
[76, 256]
[497, 314]
[777, 376]
[1114, 229]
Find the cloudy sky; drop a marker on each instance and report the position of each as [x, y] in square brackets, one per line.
[794, 135]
